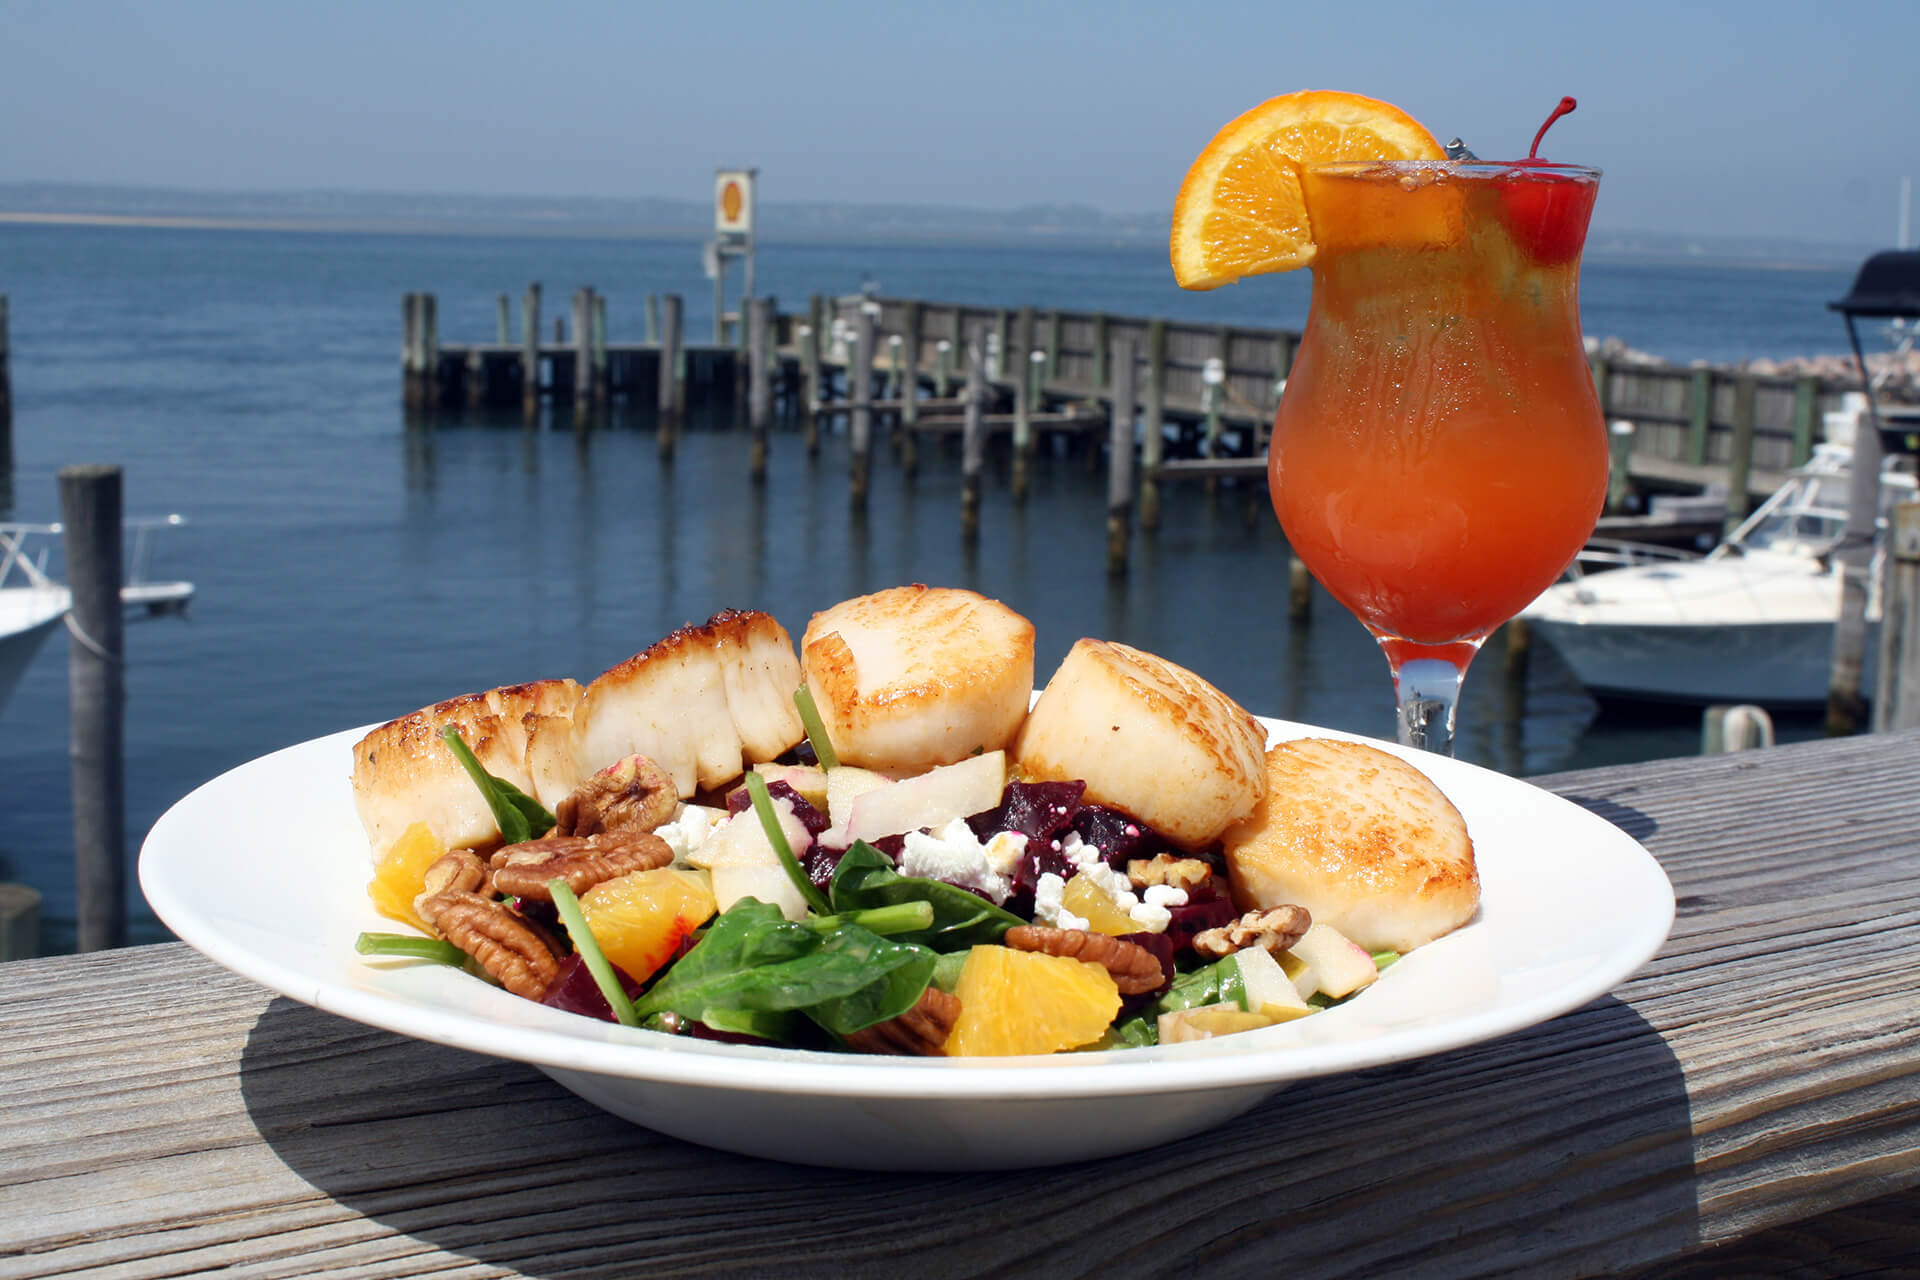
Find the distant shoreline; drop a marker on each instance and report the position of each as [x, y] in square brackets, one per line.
[1627, 249]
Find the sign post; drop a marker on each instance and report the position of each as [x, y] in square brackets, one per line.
[733, 201]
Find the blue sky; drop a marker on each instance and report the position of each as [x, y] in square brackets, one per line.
[1756, 118]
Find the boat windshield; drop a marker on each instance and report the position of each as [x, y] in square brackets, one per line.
[1806, 516]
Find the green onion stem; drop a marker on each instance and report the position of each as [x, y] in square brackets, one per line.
[816, 728]
[900, 917]
[589, 948]
[770, 823]
[406, 946]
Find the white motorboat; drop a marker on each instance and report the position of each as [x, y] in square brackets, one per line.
[32, 603]
[1753, 621]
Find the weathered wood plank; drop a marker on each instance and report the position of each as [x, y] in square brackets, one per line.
[1764, 1069]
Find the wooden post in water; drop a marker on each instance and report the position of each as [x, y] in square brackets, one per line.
[19, 922]
[1740, 457]
[582, 336]
[1806, 419]
[1846, 704]
[6, 394]
[1120, 458]
[759, 383]
[503, 320]
[1153, 446]
[1896, 698]
[1019, 361]
[602, 375]
[910, 324]
[1620, 434]
[972, 438]
[860, 425]
[1700, 415]
[430, 350]
[1299, 589]
[411, 384]
[672, 396]
[90, 511]
[530, 353]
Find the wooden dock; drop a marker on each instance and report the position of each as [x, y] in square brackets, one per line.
[1744, 1104]
[1200, 404]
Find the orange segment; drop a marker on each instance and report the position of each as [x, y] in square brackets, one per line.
[1240, 211]
[401, 873]
[1027, 1002]
[640, 919]
[1354, 211]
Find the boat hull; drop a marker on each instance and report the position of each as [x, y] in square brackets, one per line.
[1782, 664]
[27, 616]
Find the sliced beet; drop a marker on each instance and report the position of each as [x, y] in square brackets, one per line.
[738, 801]
[575, 991]
[1040, 811]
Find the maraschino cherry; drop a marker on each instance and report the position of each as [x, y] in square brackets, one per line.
[1546, 212]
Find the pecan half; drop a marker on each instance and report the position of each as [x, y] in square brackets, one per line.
[458, 871]
[1276, 930]
[512, 949]
[1163, 868]
[921, 1031]
[522, 870]
[1134, 968]
[633, 794]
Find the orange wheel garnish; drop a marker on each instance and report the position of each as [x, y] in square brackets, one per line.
[1240, 211]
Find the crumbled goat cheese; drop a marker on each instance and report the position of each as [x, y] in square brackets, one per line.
[1004, 850]
[1046, 904]
[1164, 895]
[953, 854]
[689, 829]
[1150, 918]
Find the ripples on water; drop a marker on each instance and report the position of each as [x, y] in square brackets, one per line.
[350, 568]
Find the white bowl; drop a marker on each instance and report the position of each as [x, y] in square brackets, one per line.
[1570, 907]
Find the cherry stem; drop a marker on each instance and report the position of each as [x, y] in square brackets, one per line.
[1566, 107]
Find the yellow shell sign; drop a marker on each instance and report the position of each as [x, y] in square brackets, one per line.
[733, 201]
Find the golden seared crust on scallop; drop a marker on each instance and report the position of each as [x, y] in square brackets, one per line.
[403, 772]
[918, 676]
[1361, 839]
[700, 703]
[1149, 737]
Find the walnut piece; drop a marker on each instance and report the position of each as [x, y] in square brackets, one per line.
[456, 871]
[633, 794]
[1276, 930]
[514, 951]
[1135, 969]
[522, 870]
[1163, 868]
[921, 1031]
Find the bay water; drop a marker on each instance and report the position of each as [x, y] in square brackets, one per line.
[350, 567]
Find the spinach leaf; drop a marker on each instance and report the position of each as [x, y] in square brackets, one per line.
[754, 960]
[520, 816]
[866, 878]
[1217, 983]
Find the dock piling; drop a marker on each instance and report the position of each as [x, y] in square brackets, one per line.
[860, 424]
[1119, 363]
[503, 320]
[671, 396]
[582, 335]
[6, 394]
[910, 381]
[90, 511]
[972, 438]
[1299, 589]
[1153, 444]
[759, 383]
[1740, 458]
[19, 922]
[1896, 702]
[530, 353]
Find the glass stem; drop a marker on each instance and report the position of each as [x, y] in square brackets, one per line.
[1427, 690]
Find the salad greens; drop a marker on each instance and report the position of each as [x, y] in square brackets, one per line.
[754, 960]
[961, 919]
[520, 816]
[816, 728]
